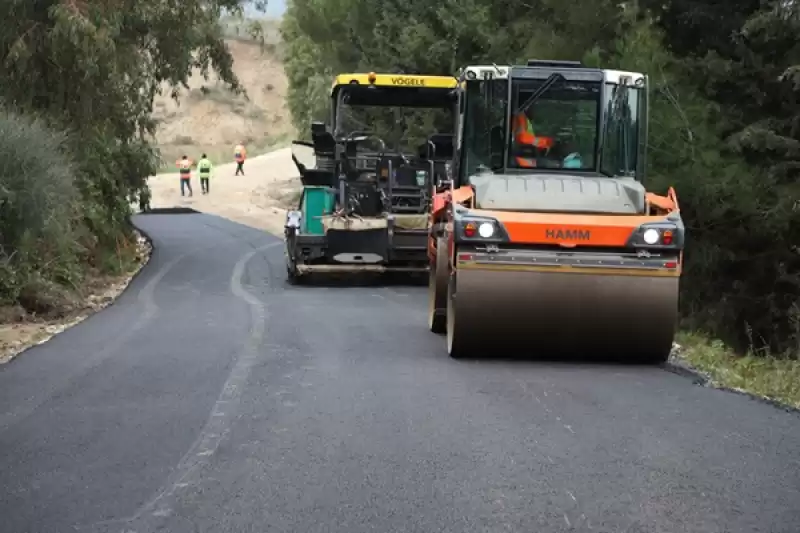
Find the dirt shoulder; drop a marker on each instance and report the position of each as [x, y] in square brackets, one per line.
[259, 198]
[19, 331]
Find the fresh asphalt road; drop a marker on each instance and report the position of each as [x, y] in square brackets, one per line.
[212, 397]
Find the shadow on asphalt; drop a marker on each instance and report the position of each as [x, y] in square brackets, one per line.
[311, 281]
[597, 359]
[169, 211]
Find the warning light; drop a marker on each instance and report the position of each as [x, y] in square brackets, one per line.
[372, 77]
[469, 229]
[666, 237]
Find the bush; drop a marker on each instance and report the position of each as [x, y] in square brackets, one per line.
[38, 214]
[740, 279]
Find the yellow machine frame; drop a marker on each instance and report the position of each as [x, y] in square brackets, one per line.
[394, 80]
[404, 83]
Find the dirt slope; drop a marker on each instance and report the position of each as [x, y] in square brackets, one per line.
[209, 118]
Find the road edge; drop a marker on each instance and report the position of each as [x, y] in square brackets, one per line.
[69, 324]
[678, 366]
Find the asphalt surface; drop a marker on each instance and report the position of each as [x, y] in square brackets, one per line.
[213, 397]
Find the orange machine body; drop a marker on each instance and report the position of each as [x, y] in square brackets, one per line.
[565, 230]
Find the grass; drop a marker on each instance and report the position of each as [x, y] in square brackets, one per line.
[218, 155]
[767, 376]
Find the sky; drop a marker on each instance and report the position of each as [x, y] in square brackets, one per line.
[275, 8]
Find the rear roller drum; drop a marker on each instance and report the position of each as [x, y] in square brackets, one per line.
[457, 343]
[437, 288]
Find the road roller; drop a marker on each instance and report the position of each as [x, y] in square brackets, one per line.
[545, 242]
[368, 179]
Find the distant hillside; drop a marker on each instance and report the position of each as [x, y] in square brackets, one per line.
[210, 119]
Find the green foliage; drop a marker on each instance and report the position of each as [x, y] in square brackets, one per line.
[92, 69]
[724, 124]
[744, 285]
[38, 209]
[327, 37]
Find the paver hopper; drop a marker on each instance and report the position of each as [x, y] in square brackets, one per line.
[368, 183]
[546, 241]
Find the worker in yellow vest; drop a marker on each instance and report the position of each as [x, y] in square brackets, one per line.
[239, 154]
[184, 165]
[204, 168]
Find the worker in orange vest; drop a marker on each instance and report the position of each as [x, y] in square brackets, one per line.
[184, 165]
[524, 136]
[239, 154]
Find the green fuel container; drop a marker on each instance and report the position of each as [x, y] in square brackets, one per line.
[317, 202]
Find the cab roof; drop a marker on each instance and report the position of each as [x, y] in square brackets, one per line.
[536, 69]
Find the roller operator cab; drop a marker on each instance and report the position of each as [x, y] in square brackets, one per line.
[546, 241]
[368, 177]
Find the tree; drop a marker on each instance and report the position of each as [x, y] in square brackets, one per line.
[92, 68]
[327, 37]
[744, 56]
[724, 118]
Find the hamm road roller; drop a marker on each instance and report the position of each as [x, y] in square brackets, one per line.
[546, 241]
[368, 181]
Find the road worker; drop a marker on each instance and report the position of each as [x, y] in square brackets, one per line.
[204, 168]
[526, 140]
[144, 199]
[239, 154]
[185, 168]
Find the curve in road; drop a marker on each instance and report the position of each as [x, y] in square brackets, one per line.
[212, 396]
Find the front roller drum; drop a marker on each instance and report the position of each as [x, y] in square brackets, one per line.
[554, 314]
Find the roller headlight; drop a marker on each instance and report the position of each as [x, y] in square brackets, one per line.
[486, 230]
[651, 236]
[478, 229]
[657, 235]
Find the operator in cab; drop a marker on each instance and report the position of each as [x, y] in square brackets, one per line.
[527, 143]
[538, 151]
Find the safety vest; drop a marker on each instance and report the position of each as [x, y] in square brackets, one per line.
[525, 136]
[204, 168]
[185, 168]
[239, 153]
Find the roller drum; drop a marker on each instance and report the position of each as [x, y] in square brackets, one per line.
[437, 288]
[551, 314]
